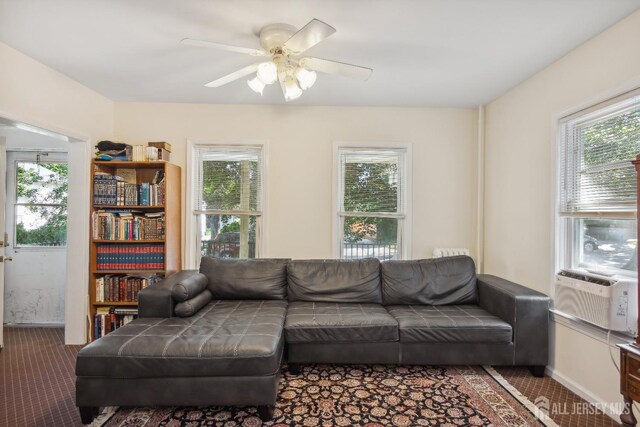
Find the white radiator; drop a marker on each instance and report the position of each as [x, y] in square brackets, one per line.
[607, 302]
[442, 252]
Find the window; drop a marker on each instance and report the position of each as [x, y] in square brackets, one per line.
[41, 203]
[598, 187]
[372, 203]
[227, 200]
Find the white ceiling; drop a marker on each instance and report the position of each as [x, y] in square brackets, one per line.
[440, 53]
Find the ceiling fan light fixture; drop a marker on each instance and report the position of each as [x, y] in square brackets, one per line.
[291, 89]
[283, 47]
[256, 85]
[268, 72]
[306, 78]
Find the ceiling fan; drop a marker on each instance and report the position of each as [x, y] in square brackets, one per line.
[284, 45]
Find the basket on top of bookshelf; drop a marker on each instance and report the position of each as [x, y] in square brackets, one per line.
[135, 236]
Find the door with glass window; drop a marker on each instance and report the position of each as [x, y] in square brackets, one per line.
[36, 226]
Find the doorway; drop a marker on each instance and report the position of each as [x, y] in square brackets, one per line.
[36, 230]
[18, 136]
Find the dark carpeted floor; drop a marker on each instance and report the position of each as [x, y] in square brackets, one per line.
[37, 383]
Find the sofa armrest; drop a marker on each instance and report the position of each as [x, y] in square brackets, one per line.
[156, 300]
[526, 310]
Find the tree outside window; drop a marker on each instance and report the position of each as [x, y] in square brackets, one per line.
[41, 205]
[227, 201]
[371, 208]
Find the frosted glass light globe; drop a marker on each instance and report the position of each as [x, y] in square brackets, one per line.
[291, 89]
[306, 78]
[268, 72]
[256, 85]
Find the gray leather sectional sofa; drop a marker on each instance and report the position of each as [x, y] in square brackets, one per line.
[218, 336]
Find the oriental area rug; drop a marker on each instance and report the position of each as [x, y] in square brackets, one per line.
[362, 395]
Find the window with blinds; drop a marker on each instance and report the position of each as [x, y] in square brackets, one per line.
[597, 186]
[371, 202]
[227, 199]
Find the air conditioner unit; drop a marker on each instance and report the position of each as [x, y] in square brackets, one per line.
[607, 302]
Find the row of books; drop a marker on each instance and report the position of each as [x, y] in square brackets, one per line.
[142, 153]
[113, 190]
[121, 287]
[109, 319]
[127, 225]
[130, 257]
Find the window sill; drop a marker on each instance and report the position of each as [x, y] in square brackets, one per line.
[592, 331]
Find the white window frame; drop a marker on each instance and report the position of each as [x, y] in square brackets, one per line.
[59, 156]
[405, 238]
[192, 251]
[564, 233]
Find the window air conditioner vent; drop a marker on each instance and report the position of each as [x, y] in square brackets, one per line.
[605, 302]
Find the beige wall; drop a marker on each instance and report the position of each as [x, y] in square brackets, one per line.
[38, 95]
[42, 96]
[520, 143]
[300, 160]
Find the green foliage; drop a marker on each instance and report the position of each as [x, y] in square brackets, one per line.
[47, 235]
[222, 184]
[233, 226]
[221, 189]
[380, 230]
[34, 190]
[370, 187]
[621, 137]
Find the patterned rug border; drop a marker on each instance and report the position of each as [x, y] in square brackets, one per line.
[537, 412]
[105, 415]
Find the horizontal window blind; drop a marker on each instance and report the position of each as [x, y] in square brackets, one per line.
[229, 178]
[596, 174]
[372, 181]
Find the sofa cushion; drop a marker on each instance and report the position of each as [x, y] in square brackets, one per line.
[438, 281]
[189, 287]
[343, 281]
[263, 279]
[224, 338]
[449, 324]
[193, 305]
[338, 322]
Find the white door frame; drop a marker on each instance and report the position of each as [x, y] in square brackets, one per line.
[77, 286]
[3, 198]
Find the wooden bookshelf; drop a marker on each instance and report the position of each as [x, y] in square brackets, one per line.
[145, 172]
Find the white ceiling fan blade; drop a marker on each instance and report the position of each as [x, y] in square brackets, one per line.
[309, 35]
[335, 67]
[284, 92]
[220, 46]
[233, 76]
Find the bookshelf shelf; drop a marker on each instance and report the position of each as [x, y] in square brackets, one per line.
[116, 303]
[129, 272]
[137, 165]
[135, 242]
[126, 207]
[112, 220]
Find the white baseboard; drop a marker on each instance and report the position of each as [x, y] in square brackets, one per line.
[586, 395]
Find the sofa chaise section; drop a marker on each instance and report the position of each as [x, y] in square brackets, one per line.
[229, 352]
